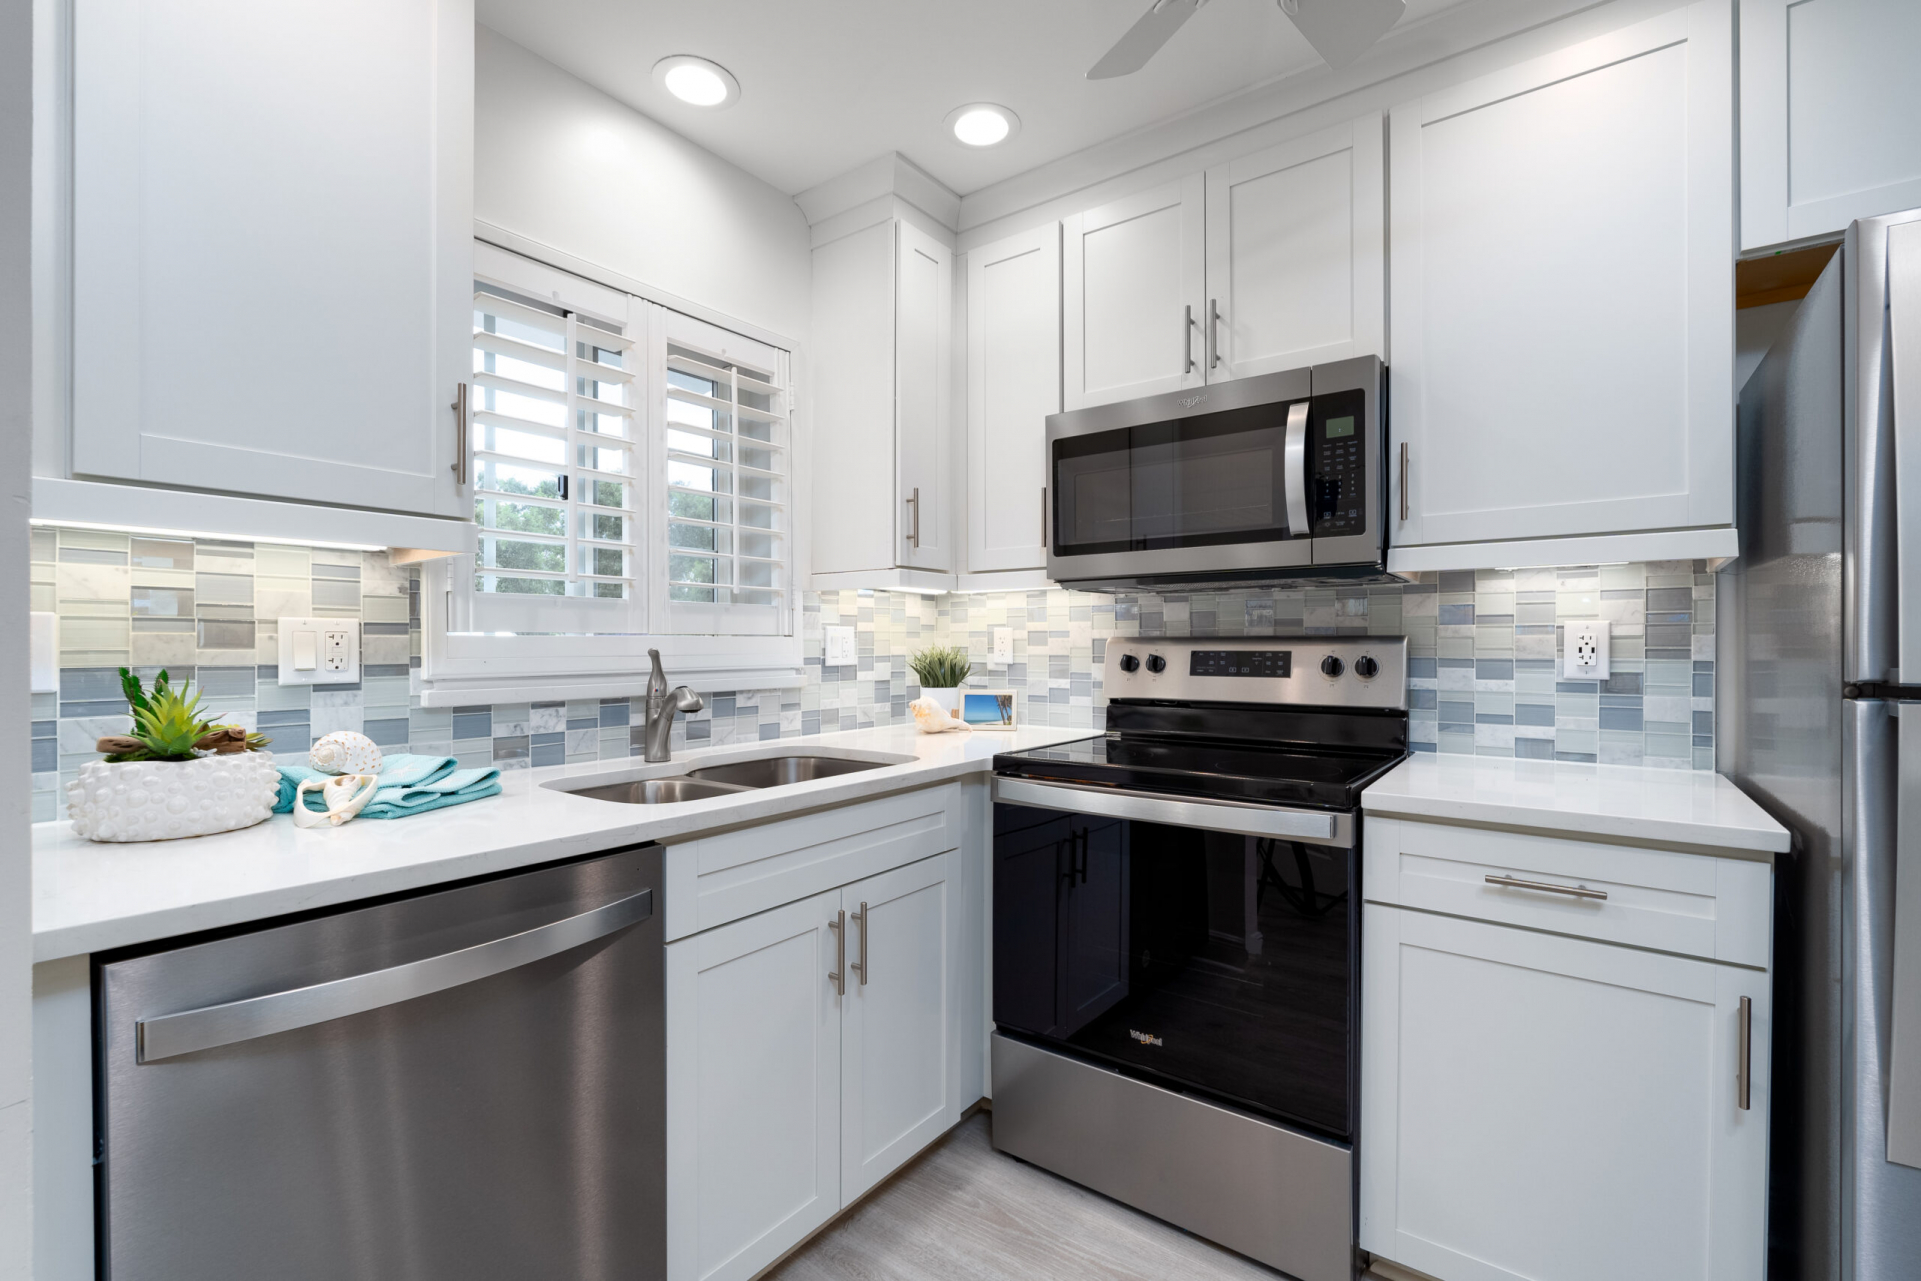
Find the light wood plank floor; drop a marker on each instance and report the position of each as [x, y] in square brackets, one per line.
[964, 1212]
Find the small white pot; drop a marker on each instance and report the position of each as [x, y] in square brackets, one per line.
[947, 698]
[160, 800]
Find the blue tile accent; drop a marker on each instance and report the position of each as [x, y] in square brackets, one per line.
[1534, 749]
[583, 722]
[1493, 669]
[97, 707]
[387, 733]
[769, 731]
[1704, 684]
[1418, 699]
[1704, 722]
[383, 629]
[1492, 718]
[703, 731]
[1457, 712]
[1534, 714]
[85, 684]
[283, 716]
[550, 739]
[1576, 687]
[473, 724]
[548, 753]
[511, 749]
[1579, 758]
[613, 711]
[1457, 615]
[1620, 718]
[46, 729]
[384, 669]
[1420, 669]
[1623, 683]
[46, 755]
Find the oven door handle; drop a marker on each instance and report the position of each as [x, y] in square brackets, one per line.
[1318, 827]
[1294, 469]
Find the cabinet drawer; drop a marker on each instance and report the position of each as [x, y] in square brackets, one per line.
[716, 879]
[1691, 904]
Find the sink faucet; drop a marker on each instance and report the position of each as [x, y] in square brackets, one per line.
[662, 703]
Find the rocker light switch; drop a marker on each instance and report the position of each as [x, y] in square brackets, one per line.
[319, 651]
[839, 646]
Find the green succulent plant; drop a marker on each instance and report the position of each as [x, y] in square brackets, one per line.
[167, 726]
[941, 667]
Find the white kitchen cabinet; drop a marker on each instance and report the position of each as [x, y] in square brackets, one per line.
[261, 191]
[1013, 384]
[1563, 342]
[1558, 1109]
[1295, 253]
[1133, 292]
[883, 303]
[1829, 100]
[897, 1020]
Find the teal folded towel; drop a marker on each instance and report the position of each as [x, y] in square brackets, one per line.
[408, 785]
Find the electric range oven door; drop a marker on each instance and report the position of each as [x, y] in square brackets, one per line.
[1206, 961]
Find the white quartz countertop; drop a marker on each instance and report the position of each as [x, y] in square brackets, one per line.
[88, 897]
[1622, 801]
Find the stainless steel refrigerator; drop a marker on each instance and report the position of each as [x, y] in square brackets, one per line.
[1818, 686]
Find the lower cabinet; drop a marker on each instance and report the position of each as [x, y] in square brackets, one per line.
[1558, 1109]
[810, 1052]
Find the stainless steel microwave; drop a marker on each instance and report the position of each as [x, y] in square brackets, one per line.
[1276, 479]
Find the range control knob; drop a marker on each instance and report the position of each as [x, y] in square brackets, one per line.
[1155, 663]
[1332, 666]
[1366, 668]
[1129, 663]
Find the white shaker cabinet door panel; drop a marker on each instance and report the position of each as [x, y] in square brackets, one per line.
[1563, 340]
[1133, 290]
[923, 352]
[1829, 104]
[898, 1022]
[1543, 1108]
[753, 1090]
[1013, 384]
[1295, 253]
[273, 238]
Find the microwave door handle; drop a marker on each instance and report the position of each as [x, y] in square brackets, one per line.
[1294, 469]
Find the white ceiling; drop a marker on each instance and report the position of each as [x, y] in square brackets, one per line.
[827, 85]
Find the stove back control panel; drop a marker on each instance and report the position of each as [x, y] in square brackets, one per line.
[1311, 671]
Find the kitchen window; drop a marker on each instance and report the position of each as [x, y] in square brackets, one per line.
[632, 478]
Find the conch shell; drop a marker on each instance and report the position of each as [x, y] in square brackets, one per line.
[345, 752]
[343, 801]
[935, 719]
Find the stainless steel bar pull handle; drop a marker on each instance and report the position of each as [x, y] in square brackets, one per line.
[1294, 469]
[1043, 518]
[838, 975]
[169, 1035]
[913, 536]
[860, 966]
[1546, 887]
[1213, 333]
[1403, 482]
[459, 468]
[1187, 339]
[1744, 1055]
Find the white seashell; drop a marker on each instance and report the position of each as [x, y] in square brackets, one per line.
[159, 800]
[932, 718]
[345, 795]
[345, 752]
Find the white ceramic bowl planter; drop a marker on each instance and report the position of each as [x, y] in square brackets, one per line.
[160, 800]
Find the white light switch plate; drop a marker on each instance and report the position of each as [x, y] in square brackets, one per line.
[1003, 651]
[840, 648]
[319, 651]
[1584, 655]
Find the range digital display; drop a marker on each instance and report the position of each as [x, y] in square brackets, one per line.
[1240, 662]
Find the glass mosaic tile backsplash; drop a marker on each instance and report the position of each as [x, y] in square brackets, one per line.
[1483, 646]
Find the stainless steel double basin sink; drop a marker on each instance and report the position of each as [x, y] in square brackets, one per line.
[726, 779]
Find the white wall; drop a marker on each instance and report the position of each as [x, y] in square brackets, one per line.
[16, 399]
[561, 163]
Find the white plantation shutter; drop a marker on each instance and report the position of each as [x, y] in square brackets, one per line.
[727, 480]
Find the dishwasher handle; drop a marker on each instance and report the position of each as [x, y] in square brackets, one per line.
[167, 1036]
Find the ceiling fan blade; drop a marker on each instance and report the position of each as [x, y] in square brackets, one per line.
[1144, 39]
[1341, 30]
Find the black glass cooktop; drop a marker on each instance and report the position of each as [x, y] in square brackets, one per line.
[1289, 774]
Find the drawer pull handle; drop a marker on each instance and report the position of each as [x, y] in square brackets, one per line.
[838, 975]
[1572, 891]
[860, 967]
[1744, 1066]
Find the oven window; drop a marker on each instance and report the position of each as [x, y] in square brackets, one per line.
[1210, 479]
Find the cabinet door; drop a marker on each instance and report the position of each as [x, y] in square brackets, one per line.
[753, 1090]
[1828, 104]
[241, 216]
[923, 321]
[1133, 281]
[1094, 919]
[1295, 248]
[1553, 1109]
[1563, 259]
[897, 1020]
[1013, 384]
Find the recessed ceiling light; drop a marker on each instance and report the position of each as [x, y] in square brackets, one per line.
[983, 124]
[697, 81]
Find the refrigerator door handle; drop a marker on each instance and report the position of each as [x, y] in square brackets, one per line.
[170, 1035]
[1904, 1058]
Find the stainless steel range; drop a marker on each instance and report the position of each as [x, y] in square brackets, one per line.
[1177, 941]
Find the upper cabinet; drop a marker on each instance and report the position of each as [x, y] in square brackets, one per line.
[1295, 254]
[1135, 288]
[1013, 384]
[268, 189]
[1829, 101]
[883, 304]
[1562, 304]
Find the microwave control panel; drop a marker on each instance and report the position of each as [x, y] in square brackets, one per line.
[1337, 435]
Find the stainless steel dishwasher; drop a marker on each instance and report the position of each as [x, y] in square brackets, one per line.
[462, 1084]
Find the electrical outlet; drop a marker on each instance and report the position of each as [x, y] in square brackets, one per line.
[1585, 652]
[839, 647]
[319, 651]
[1003, 651]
